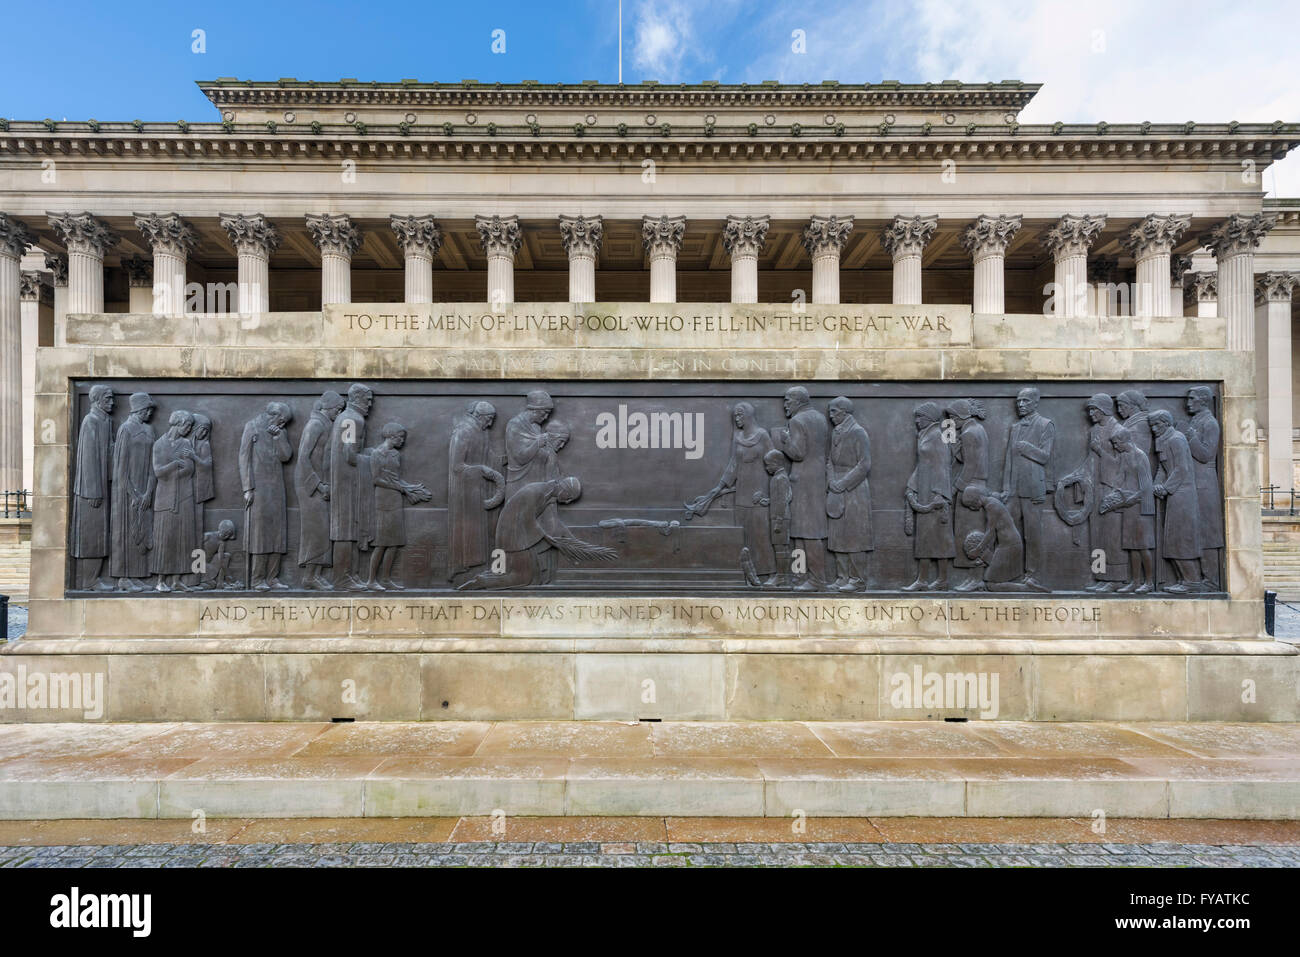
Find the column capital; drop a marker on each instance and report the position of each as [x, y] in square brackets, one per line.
[167, 232]
[1201, 286]
[1073, 235]
[417, 235]
[581, 235]
[250, 233]
[826, 234]
[34, 286]
[745, 235]
[908, 235]
[499, 235]
[15, 237]
[83, 233]
[57, 263]
[139, 272]
[1154, 235]
[663, 236]
[1238, 234]
[1275, 286]
[334, 233]
[990, 235]
[1178, 266]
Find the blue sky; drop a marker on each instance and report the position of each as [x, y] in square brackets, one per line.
[1113, 60]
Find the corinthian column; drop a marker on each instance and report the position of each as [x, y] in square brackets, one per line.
[1233, 243]
[171, 239]
[905, 240]
[337, 238]
[824, 237]
[420, 238]
[35, 293]
[254, 240]
[1274, 289]
[1069, 241]
[501, 240]
[1151, 242]
[581, 236]
[663, 240]
[987, 239]
[57, 264]
[15, 237]
[139, 281]
[1202, 288]
[87, 240]
[743, 237]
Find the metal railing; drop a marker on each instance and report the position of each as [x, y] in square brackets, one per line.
[17, 504]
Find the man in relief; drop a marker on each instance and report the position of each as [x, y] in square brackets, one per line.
[174, 536]
[311, 482]
[263, 450]
[1025, 477]
[90, 485]
[1203, 442]
[391, 497]
[1131, 409]
[805, 442]
[131, 515]
[529, 448]
[474, 487]
[1175, 483]
[848, 498]
[928, 515]
[1100, 474]
[349, 484]
[204, 488]
[970, 469]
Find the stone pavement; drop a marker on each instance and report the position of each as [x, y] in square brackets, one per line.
[778, 770]
[652, 842]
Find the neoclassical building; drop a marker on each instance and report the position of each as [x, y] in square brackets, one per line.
[309, 193]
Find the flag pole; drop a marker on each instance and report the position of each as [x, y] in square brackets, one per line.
[620, 41]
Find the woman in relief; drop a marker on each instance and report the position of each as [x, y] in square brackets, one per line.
[174, 535]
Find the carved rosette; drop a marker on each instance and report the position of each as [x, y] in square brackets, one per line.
[34, 286]
[167, 233]
[139, 272]
[57, 263]
[1238, 234]
[1154, 235]
[663, 236]
[826, 235]
[908, 235]
[1073, 235]
[15, 237]
[83, 233]
[1178, 266]
[417, 235]
[745, 235]
[581, 235]
[1275, 286]
[1201, 286]
[990, 235]
[334, 233]
[1102, 269]
[250, 235]
[499, 235]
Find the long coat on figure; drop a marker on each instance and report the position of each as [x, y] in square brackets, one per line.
[971, 468]
[351, 490]
[174, 534]
[931, 484]
[805, 445]
[469, 536]
[1181, 528]
[850, 463]
[1203, 443]
[131, 517]
[261, 470]
[310, 472]
[94, 455]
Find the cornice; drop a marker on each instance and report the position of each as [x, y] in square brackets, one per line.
[250, 142]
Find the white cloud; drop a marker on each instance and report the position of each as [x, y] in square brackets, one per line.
[661, 34]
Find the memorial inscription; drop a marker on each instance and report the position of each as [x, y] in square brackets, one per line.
[843, 488]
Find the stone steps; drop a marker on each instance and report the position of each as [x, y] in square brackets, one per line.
[695, 769]
[1282, 568]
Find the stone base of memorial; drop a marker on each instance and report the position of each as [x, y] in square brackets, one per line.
[608, 575]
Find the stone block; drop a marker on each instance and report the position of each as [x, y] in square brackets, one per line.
[976, 687]
[1243, 688]
[180, 687]
[685, 787]
[678, 687]
[360, 686]
[1111, 688]
[802, 687]
[497, 687]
